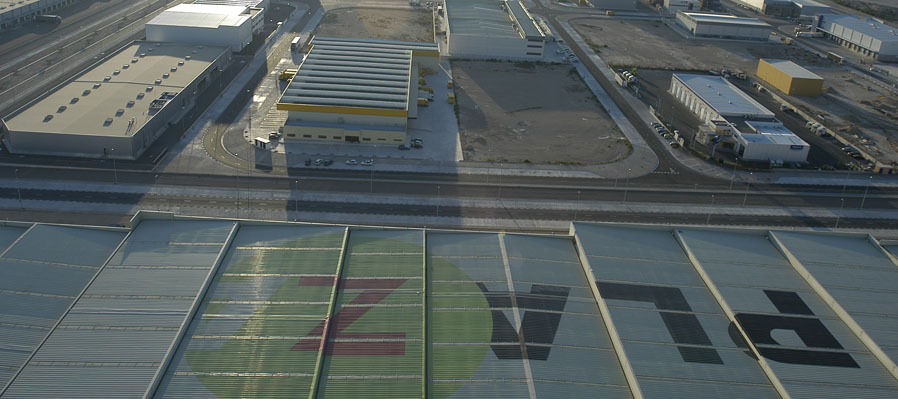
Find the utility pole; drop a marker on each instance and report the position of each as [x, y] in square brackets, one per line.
[19, 188]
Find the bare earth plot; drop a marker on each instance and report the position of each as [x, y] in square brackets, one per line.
[653, 45]
[382, 24]
[857, 109]
[541, 113]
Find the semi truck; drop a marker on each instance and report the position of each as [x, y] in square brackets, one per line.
[296, 44]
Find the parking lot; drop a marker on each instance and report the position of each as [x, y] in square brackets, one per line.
[532, 112]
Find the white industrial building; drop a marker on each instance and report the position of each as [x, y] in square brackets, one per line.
[492, 29]
[118, 108]
[729, 112]
[13, 12]
[673, 6]
[356, 90]
[870, 37]
[723, 26]
[215, 25]
[786, 8]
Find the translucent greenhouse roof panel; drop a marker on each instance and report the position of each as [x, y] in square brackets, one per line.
[487, 293]
[9, 234]
[125, 322]
[259, 329]
[810, 350]
[66, 245]
[865, 286]
[674, 332]
[374, 347]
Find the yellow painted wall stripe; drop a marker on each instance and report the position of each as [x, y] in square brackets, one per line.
[332, 109]
[425, 53]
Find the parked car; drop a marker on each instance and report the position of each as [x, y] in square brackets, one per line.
[328, 162]
[368, 162]
[352, 162]
[417, 145]
[417, 140]
[404, 147]
[308, 162]
[318, 161]
[274, 136]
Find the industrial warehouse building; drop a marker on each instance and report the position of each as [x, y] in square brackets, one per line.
[723, 26]
[674, 6]
[790, 78]
[118, 108]
[356, 90]
[492, 29]
[870, 37]
[786, 8]
[179, 307]
[731, 115]
[13, 12]
[213, 25]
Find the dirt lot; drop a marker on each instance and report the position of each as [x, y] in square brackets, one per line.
[383, 24]
[653, 45]
[519, 112]
[860, 110]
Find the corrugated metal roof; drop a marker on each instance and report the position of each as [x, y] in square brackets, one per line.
[722, 96]
[792, 69]
[202, 16]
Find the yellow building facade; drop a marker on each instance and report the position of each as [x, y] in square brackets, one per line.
[790, 78]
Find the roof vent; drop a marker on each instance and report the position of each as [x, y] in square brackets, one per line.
[73, 100]
[158, 82]
[131, 103]
[119, 112]
[140, 95]
[61, 109]
[165, 76]
[97, 85]
[48, 118]
[730, 102]
[107, 122]
[86, 92]
[116, 72]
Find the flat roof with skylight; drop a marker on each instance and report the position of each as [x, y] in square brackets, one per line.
[724, 19]
[124, 88]
[480, 18]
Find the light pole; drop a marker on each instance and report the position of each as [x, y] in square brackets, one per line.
[577, 205]
[371, 179]
[438, 201]
[627, 186]
[19, 188]
[237, 178]
[296, 196]
[114, 169]
[748, 184]
[869, 181]
[839, 215]
[733, 177]
[709, 210]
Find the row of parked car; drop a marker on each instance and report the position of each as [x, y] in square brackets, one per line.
[663, 132]
[415, 143]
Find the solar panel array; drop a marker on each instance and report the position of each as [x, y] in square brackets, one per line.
[203, 308]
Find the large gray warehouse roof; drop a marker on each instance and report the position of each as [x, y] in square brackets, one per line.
[724, 19]
[300, 310]
[869, 27]
[364, 73]
[104, 100]
[488, 18]
[721, 95]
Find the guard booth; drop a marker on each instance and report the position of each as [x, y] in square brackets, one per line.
[261, 143]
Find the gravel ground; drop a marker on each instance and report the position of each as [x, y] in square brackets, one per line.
[541, 113]
[653, 45]
[383, 24]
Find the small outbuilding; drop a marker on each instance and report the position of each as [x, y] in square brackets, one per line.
[790, 78]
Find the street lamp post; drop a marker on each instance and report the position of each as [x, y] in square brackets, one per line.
[627, 186]
[709, 210]
[19, 188]
[114, 169]
[438, 201]
[747, 186]
[577, 205]
[296, 197]
[839, 215]
[869, 181]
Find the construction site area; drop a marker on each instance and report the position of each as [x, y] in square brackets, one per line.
[553, 118]
[380, 24]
